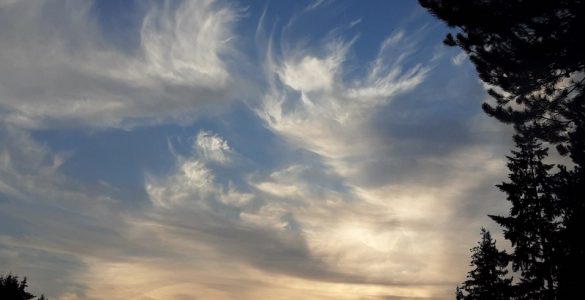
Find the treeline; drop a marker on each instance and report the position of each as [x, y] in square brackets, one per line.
[11, 288]
[532, 55]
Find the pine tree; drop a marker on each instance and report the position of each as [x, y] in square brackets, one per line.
[533, 226]
[487, 280]
[531, 52]
[13, 289]
[571, 252]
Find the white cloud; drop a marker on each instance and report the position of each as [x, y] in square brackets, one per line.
[194, 184]
[316, 4]
[309, 73]
[459, 58]
[393, 231]
[293, 229]
[392, 236]
[355, 23]
[182, 45]
[379, 228]
[193, 181]
[57, 68]
[213, 147]
[316, 109]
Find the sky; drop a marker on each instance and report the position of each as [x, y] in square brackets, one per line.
[214, 149]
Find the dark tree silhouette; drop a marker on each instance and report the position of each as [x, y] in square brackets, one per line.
[571, 190]
[533, 225]
[487, 280]
[531, 52]
[13, 289]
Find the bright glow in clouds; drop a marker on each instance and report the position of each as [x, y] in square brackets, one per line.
[305, 164]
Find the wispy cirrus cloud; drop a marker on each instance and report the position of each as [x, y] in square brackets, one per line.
[379, 224]
[314, 105]
[58, 68]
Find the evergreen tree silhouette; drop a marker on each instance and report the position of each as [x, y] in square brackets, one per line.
[13, 289]
[487, 280]
[571, 190]
[533, 226]
[531, 53]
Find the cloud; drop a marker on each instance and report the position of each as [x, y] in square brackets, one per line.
[316, 4]
[314, 107]
[59, 69]
[381, 169]
[46, 217]
[299, 230]
[398, 182]
[299, 223]
[231, 221]
[213, 147]
[459, 58]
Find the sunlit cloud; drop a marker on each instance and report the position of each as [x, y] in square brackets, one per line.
[60, 70]
[313, 106]
[213, 147]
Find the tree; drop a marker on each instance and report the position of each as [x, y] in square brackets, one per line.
[570, 190]
[13, 289]
[487, 280]
[533, 226]
[531, 53]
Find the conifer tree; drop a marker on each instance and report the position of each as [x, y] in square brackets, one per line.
[14, 289]
[533, 225]
[487, 280]
[571, 253]
[531, 53]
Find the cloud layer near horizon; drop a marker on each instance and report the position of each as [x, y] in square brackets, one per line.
[376, 175]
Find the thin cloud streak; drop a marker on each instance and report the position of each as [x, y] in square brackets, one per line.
[60, 70]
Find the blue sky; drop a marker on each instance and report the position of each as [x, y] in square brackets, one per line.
[215, 149]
